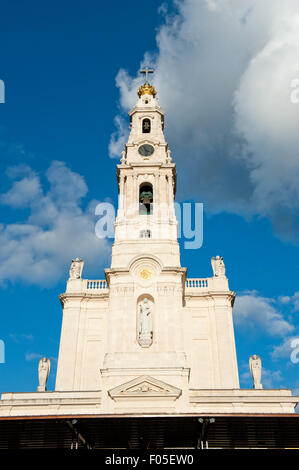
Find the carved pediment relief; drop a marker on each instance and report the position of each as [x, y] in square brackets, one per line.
[145, 387]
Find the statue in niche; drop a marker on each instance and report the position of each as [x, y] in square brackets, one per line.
[145, 328]
[218, 266]
[43, 373]
[255, 365]
[76, 268]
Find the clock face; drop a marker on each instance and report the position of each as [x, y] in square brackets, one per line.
[146, 150]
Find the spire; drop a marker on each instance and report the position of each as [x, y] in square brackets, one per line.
[146, 89]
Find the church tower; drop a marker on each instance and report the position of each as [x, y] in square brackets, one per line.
[147, 181]
[147, 340]
[147, 325]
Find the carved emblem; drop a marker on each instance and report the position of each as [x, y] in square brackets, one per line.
[145, 274]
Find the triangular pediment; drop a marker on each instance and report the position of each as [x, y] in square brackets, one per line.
[143, 387]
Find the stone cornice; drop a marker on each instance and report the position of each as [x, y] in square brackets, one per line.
[145, 387]
[211, 294]
[164, 270]
[146, 109]
[82, 296]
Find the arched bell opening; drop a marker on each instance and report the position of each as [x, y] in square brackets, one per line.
[146, 126]
[145, 199]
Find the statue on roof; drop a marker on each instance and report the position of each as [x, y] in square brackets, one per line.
[218, 266]
[255, 366]
[43, 373]
[76, 268]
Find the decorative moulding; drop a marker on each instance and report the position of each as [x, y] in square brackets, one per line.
[145, 386]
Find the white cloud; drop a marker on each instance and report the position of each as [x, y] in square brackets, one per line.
[284, 299]
[296, 391]
[292, 300]
[67, 187]
[283, 350]
[270, 378]
[18, 171]
[39, 250]
[260, 313]
[295, 300]
[118, 138]
[223, 72]
[23, 192]
[18, 338]
[31, 356]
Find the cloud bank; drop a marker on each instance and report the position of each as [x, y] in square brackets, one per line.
[224, 71]
[39, 249]
[258, 313]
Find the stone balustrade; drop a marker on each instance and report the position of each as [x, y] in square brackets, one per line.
[96, 285]
[192, 286]
[216, 284]
[197, 283]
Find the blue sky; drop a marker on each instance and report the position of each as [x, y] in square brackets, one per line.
[70, 69]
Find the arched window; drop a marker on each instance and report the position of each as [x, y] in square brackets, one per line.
[145, 199]
[145, 234]
[146, 126]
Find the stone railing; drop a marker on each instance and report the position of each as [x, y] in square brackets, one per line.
[197, 283]
[90, 286]
[96, 285]
[194, 286]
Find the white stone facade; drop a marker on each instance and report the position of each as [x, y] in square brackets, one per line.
[182, 358]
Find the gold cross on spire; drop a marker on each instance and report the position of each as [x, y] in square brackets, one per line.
[146, 71]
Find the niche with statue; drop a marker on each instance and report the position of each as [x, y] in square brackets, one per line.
[145, 309]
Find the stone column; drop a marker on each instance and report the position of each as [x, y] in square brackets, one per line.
[129, 201]
[170, 195]
[135, 195]
[155, 193]
[121, 195]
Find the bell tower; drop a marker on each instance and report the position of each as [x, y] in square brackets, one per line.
[146, 221]
[146, 329]
[146, 281]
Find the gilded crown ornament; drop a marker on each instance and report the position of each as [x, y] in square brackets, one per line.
[146, 89]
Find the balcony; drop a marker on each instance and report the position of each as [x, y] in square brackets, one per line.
[192, 286]
[95, 285]
[196, 286]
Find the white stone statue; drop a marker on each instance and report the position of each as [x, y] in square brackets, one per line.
[218, 266]
[168, 159]
[76, 268]
[43, 373]
[123, 157]
[145, 330]
[255, 365]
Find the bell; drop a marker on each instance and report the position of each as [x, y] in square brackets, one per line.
[146, 197]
